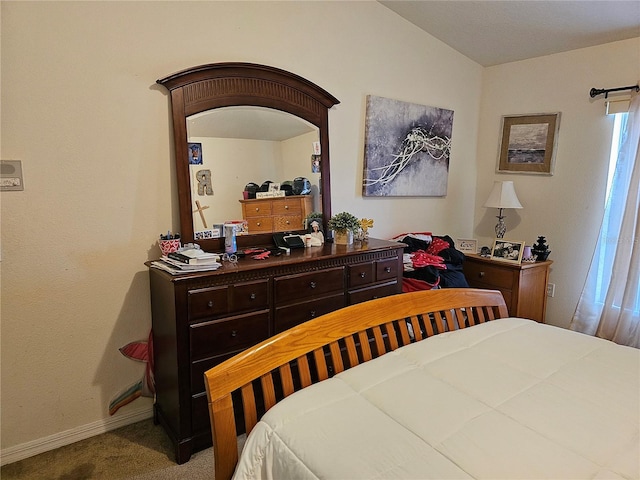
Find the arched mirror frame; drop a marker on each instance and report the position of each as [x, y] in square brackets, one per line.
[217, 85]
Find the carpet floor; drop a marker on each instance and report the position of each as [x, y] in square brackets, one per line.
[140, 451]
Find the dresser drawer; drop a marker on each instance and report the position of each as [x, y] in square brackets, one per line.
[489, 276]
[286, 207]
[218, 337]
[199, 367]
[200, 420]
[260, 224]
[370, 293]
[249, 296]
[361, 274]
[306, 285]
[386, 269]
[257, 208]
[287, 317]
[207, 302]
[216, 301]
[284, 223]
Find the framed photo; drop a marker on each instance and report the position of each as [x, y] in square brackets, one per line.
[528, 143]
[466, 245]
[315, 163]
[195, 153]
[507, 250]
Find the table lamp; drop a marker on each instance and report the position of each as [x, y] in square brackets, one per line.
[503, 195]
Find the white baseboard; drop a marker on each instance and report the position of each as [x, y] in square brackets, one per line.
[41, 445]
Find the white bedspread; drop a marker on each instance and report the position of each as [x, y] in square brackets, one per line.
[507, 399]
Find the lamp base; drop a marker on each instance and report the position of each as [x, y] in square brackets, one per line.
[501, 227]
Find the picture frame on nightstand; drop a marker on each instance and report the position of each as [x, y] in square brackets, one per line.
[467, 245]
[507, 250]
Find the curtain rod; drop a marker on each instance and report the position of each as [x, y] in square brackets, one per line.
[594, 92]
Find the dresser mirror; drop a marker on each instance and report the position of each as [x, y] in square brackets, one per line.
[236, 123]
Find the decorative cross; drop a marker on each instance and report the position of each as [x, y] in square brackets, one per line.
[200, 210]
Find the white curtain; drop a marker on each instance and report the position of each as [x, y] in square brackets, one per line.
[609, 306]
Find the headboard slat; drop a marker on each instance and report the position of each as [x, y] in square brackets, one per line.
[249, 406]
[352, 351]
[268, 390]
[391, 336]
[304, 371]
[365, 348]
[287, 379]
[321, 364]
[336, 357]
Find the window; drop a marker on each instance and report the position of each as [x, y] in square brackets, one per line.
[617, 181]
[609, 305]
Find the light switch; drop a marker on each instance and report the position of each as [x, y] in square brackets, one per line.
[11, 175]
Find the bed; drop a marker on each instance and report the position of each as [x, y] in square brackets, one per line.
[429, 384]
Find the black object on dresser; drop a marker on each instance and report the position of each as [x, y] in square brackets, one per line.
[201, 319]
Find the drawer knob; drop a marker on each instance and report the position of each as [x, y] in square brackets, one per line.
[312, 284]
[312, 314]
[257, 209]
[234, 333]
[387, 269]
[288, 222]
[258, 224]
[210, 303]
[481, 274]
[286, 207]
[252, 296]
[362, 274]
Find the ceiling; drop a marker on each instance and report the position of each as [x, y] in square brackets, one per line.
[496, 32]
[490, 32]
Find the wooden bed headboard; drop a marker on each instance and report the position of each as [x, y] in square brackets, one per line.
[242, 388]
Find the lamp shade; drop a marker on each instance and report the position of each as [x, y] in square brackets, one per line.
[503, 195]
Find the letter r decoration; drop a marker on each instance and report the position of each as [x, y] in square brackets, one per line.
[204, 182]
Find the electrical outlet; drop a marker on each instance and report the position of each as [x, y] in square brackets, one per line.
[551, 290]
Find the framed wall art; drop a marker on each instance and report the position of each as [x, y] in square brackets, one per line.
[407, 149]
[507, 250]
[528, 143]
[195, 153]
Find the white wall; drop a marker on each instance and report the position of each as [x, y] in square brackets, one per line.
[233, 163]
[566, 208]
[296, 155]
[81, 109]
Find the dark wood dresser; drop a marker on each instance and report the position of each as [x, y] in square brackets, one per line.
[523, 286]
[201, 319]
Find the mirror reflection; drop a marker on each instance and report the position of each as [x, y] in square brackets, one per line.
[231, 148]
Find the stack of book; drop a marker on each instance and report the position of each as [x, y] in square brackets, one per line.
[185, 261]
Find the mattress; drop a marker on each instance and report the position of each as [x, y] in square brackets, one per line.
[507, 399]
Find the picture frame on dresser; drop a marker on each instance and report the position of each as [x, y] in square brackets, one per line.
[507, 250]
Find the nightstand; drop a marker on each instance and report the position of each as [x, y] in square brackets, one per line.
[523, 286]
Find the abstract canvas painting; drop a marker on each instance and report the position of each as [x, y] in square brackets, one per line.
[407, 148]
